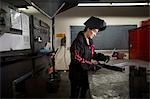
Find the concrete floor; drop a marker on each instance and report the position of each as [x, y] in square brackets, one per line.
[64, 88]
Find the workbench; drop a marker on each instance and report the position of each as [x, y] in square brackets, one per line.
[110, 84]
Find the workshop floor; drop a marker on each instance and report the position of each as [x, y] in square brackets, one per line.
[64, 87]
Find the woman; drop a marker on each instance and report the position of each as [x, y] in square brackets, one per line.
[82, 51]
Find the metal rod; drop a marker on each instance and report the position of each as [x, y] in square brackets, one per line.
[53, 32]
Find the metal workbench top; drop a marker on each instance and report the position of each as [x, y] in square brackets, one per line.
[110, 84]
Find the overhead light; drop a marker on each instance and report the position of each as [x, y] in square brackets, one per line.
[23, 8]
[94, 4]
[129, 4]
[111, 4]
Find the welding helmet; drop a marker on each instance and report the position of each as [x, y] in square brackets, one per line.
[95, 23]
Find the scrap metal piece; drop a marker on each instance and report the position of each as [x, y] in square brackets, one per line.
[116, 68]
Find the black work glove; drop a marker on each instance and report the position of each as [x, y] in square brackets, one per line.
[101, 57]
[107, 58]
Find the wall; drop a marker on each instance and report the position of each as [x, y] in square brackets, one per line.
[78, 15]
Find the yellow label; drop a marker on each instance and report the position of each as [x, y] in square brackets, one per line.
[61, 35]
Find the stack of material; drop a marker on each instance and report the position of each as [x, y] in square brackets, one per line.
[139, 86]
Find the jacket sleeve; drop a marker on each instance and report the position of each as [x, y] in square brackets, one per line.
[77, 50]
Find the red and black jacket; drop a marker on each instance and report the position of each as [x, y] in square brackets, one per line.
[81, 55]
[81, 52]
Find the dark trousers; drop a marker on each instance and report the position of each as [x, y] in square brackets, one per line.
[78, 90]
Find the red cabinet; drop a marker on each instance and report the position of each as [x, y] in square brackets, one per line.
[145, 22]
[139, 43]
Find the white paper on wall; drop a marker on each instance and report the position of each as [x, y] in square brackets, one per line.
[9, 41]
[15, 19]
[26, 41]
[5, 42]
[14, 42]
[25, 25]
